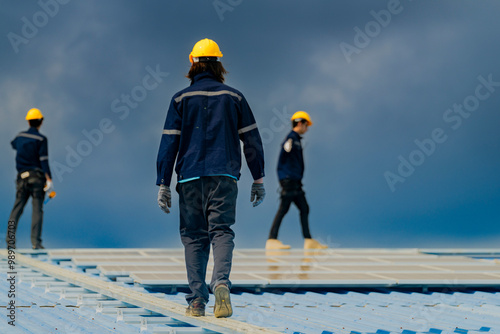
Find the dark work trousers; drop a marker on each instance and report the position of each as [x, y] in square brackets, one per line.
[30, 186]
[207, 210]
[291, 191]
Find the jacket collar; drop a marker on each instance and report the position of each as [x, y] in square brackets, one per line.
[296, 135]
[203, 76]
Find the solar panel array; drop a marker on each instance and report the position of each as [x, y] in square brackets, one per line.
[293, 268]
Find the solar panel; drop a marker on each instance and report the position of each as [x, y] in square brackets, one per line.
[72, 253]
[59, 254]
[442, 278]
[448, 309]
[170, 252]
[125, 270]
[469, 267]
[295, 268]
[382, 268]
[180, 279]
[94, 261]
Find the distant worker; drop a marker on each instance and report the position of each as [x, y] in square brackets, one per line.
[33, 178]
[204, 125]
[290, 173]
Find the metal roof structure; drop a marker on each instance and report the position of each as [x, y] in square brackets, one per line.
[333, 291]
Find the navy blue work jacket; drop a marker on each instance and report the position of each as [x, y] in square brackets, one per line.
[32, 151]
[291, 160]
[204, 125]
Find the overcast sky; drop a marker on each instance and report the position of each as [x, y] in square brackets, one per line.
[404, 96]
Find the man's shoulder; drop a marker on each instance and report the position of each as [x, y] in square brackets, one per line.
[290, 140]
[37, 133]
[182, 91]
[232, 89]
[293, 135]
[32, 134]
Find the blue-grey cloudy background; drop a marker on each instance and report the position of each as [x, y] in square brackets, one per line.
[370, 95]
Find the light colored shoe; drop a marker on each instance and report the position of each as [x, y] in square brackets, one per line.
[310, 243]
[222, 307]
[276, 244]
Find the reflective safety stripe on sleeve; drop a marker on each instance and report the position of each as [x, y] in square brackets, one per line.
[247, 128]
[44, 158]
[29, 135]
[172, 132]
[207, 93]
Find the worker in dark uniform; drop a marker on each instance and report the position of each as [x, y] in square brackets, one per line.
[290, 173]
[204, 125]
[33, 178]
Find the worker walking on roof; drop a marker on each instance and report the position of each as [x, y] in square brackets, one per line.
[290, 173]
[33, 178]
[204, 125]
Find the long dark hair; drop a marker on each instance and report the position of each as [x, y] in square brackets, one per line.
[214, 67]
[35, 123]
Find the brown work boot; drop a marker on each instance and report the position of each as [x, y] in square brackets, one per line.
[222, 308]
[196, 308]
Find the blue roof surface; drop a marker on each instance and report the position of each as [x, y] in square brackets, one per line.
[49, 305]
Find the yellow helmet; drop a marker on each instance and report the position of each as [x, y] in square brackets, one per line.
[34, 113]
[204, 48]
[302, 115]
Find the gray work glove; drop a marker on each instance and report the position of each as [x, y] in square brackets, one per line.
[164, 198]
[257, 194]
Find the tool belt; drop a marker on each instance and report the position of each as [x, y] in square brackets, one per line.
[34, 173]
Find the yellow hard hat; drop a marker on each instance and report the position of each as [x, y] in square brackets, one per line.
[302, 115]
[205, 48]
[34, 113]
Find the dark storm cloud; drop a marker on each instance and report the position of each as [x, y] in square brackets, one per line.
[406, 64]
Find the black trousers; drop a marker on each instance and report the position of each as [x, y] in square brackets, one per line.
[207, 211]
[291, 192]
[31, 186]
